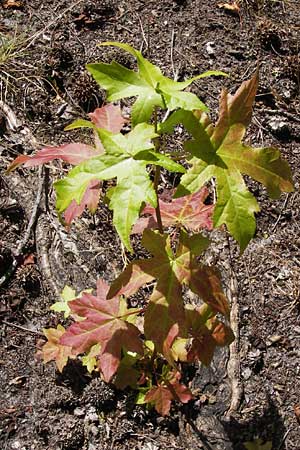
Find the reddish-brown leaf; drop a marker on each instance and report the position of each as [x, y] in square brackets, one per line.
[205, 282]
[53, 350]
[73, 153]
[222, 334]
[104, 324]
[297, 413]
[90, 200]
[108, 117]
[162, 398]
[171, 270]
[207, 335]
[163, 394]
[167, 350]
[189, 212]
[182, 392]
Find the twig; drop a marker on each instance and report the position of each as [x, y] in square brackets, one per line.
[280, 111]
[32, 39]
[281, 211]
[143, 33]
[233, 365]
[175, 74]
[12, 121]
[27, 330]
[23, 242]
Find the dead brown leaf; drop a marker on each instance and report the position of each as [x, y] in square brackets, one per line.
[12, 4]
[230, 7]
[297, 413]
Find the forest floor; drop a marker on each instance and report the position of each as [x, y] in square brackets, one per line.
[44, 47]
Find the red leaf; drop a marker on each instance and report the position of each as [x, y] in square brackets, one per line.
[73, 153]
[163, 394]
[202, 348]
[162, 397]
[108, 117]
[90, 200]
[54, 350]
[206, 337]
[189, 212]
[168, 342]
[182, 392]
[205, 282]
[104, 324]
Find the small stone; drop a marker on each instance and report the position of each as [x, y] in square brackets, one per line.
[210, 48]
[254, 354]
[246, 373]
[273, 339]
[94, 430]
[93, 417]
[16, 445]
[279, 127]
[79, 412]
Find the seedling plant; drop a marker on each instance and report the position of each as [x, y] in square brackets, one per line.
[145, 348]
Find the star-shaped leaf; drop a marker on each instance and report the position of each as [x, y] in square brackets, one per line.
[189, 212]
[148, 84]
[171, 270]
[105, 324]
[218, 152]
[54, 350]
[126, 159]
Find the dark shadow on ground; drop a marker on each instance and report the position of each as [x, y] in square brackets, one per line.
[269, 427]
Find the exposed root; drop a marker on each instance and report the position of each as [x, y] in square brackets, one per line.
[233, 365]
[43, 242]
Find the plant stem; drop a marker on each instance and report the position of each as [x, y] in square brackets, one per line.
[157, 209]
[156, 178]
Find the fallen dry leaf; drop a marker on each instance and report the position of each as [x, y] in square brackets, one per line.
[297, 413]
[230, 7]
[7, 4]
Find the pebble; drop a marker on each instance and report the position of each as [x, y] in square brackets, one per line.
[273, 339]
[94, 430]
[79, 412]
[279, 127]
[210, 48]
[246, 373]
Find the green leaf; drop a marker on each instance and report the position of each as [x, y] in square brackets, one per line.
[66, 296]
[148, 84]
[126, 159]
[218, 152]
[90, 360]
[258, 444]
[80, 123]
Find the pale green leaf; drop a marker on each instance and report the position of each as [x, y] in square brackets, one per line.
[149, 85]
[80, 123]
